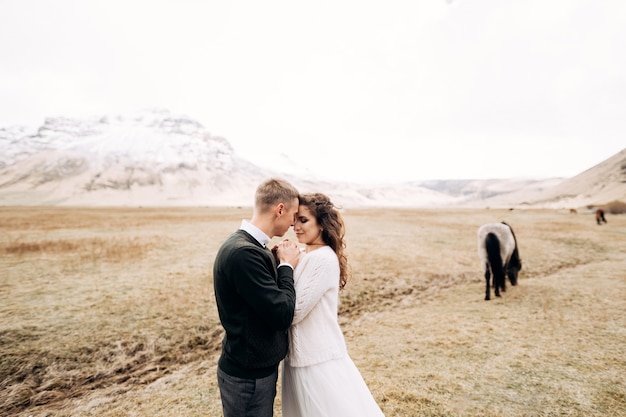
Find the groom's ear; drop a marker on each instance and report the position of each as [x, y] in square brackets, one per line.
[279, 209]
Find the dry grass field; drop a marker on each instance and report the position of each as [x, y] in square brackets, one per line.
[110, 313]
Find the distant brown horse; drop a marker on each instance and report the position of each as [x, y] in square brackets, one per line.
[600, 216]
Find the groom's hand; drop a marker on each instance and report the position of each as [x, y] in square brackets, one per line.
[288, 252]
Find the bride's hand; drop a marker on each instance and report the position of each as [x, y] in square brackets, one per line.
[288, 252]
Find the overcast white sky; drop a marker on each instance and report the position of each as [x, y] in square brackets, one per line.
[355, 90]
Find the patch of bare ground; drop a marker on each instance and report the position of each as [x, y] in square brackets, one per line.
[110, 312]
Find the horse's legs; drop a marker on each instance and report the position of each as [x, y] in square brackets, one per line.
[487, 278]
[497, 284]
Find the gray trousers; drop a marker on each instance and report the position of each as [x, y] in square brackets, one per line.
[247, 397]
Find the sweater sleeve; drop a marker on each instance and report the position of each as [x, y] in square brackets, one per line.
[272, 301]
[318, 274]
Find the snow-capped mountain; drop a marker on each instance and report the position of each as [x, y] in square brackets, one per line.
[156, 158]
[150, 157]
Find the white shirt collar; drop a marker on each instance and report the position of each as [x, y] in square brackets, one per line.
[256, 233]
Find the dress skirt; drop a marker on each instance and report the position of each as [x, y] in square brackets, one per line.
[330, 389]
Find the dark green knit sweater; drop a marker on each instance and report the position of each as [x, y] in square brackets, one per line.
[255, 302]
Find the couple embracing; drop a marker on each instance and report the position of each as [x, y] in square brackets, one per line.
[283, 305]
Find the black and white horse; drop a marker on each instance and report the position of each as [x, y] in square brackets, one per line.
[497, 249]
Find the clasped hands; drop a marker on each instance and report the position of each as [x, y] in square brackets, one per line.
[287, 252]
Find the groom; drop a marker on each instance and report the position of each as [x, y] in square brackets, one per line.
[255, 302]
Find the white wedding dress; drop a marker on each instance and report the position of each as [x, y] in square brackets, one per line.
[319, 379]
[333, 388]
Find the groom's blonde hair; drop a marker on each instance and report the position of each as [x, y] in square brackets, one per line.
[274, 191]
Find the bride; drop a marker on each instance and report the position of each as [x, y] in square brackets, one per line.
[319, 377]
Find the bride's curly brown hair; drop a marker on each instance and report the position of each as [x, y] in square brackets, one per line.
[330, 220]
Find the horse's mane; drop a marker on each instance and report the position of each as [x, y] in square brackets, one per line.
[515, 258]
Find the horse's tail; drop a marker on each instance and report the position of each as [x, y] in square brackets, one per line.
[492, 245]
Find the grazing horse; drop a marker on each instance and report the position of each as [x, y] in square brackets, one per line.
[600, 216]
[497, 249]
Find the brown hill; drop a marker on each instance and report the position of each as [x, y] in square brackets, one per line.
[597, 186]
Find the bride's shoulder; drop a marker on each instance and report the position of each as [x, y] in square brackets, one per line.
[325, 255]
[323, 252]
